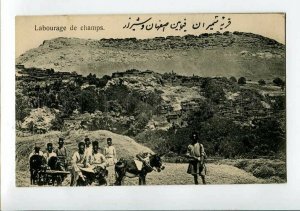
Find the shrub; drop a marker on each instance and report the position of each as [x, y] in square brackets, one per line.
[275, 179]
[213, 90]
[88, 100]
[278, 82]
[242, 81]
[233, 79]
[22, 109]
[264, 171]
[262, 82]
[241, 164]
[57, 123]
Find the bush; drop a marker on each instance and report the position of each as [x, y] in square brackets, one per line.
[264, 172]
[57, 123]
[278, 82]
[275, 179]
[233, 79]
[213, 90]
[262, 82]
[22, 109]
[241, 164]
[88, 100]
[242, 81]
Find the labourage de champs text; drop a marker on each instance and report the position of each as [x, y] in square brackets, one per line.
[65, 28]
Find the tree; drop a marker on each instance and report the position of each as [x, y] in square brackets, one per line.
[262, 82]
[233, 79]
[269, 133]
[57, 123]
[88, 100]
[242, 81]
[21, 107]
[213, 90]
[278, 82]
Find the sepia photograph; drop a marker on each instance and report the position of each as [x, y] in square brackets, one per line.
[150, 99]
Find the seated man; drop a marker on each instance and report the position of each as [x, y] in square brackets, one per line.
[61, 153]
[36, 163]
[97, 159]
[79, 159]
[49, 153]
[36, 151]
[98, 164]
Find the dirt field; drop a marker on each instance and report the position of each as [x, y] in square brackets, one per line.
[175, 174]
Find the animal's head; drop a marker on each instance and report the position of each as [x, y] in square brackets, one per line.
[156, 162]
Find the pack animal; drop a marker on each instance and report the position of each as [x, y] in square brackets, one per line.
[128, 168]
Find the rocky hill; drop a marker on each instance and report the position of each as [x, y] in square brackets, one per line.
[228, 54]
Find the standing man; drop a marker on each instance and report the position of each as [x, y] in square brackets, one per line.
[110, 153]
[111, 158]
[195, 154]
[61, 153]
[88, 148]
[79, 159]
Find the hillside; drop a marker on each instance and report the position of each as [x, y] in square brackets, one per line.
[228, 54]
[158, 110]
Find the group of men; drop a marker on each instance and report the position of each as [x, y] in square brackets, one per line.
[88, 155]
[60, 152]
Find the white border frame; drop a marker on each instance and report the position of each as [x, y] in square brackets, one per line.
[281, 196]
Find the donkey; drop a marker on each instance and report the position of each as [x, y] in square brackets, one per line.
[128, 168]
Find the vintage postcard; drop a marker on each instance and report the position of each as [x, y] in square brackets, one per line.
[156, 99]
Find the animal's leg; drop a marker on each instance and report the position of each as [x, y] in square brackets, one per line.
[72, 180]
[119, 179]
[203, 179]
[140, 180]
[144, 180]
[105, 181]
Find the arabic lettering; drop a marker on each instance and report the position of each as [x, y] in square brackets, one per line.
[219, 23]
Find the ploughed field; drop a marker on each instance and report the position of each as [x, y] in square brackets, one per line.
[219, 172]
[174, 174]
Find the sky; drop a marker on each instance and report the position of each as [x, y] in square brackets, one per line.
[28, 34]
